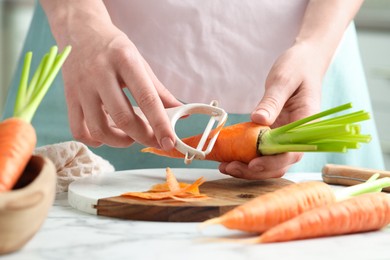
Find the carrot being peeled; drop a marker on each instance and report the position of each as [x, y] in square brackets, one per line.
[17, 135]
[246, 141]
[229, 144]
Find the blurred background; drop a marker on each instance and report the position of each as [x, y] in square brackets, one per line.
[373, 24]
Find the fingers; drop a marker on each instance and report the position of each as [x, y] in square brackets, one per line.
[125, 120]
[147, 97]
[166, 97]
[99, 110]
[261, 168]
[97, 122]
[90, 125]
[78, 127]
[88, 119]
[269, 107]
[292, 87]
[280, 85]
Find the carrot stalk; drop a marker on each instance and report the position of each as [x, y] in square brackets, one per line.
[40, 90]
[20, 100]
[363, 213]
[246, 141]
[34, 79]
[271, 209]
[48, 65]
[17, 135]
[369, 186]
[326, 135]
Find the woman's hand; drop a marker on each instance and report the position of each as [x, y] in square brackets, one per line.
[292, 92]
[293, 86]
[104, 62]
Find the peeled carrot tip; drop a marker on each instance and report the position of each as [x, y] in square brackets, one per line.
[209, 222]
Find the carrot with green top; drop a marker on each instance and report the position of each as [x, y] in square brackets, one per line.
[17, 135]
[246, 141]
[271, 209]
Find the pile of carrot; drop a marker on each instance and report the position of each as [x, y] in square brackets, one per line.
[171, 189]
[363, 213]
[311, 209]
[17, 135]
[246, 141]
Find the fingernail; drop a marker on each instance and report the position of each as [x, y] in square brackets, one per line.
[236, 172]
[263, 113]
[259, 168]
[167, 144]
[255, 167]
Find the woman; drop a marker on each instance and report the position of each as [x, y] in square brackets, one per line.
[268, 62]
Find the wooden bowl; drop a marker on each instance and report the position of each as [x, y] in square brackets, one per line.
[24, 209]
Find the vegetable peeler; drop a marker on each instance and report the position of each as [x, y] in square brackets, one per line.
[210, 133]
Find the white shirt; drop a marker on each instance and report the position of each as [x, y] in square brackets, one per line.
[211, 49]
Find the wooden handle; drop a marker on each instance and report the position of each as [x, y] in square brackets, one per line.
[347, 175]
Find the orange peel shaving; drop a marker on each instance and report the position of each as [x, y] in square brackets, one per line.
[172, 189]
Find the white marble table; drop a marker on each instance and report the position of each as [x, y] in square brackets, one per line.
[72, 234]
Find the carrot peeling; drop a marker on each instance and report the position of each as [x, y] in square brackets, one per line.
[172, 189]
[17, 135]
[246, 141]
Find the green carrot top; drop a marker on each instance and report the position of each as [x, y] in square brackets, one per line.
[336, 134]
[30, 93]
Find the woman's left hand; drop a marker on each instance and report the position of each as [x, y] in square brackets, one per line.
[292, 92]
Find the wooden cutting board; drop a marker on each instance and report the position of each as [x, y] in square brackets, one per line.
[100, 195]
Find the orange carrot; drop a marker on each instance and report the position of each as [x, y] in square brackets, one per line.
[17, 135]
[17, 143]
[229, 144]
[363, 213]
[270, 209]
[245, 141]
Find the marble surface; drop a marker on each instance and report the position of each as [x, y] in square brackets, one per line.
[68, 233]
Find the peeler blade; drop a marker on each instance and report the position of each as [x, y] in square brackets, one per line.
[209, 134]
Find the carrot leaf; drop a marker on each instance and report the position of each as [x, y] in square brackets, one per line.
[30, 94]
[371, 185]
[21, 94]
[337, 134]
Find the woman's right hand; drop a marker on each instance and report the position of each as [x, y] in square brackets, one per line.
[102, 64]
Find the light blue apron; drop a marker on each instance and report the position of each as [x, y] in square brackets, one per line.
[345, 82]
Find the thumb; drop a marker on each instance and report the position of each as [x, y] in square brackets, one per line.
[269, 107]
